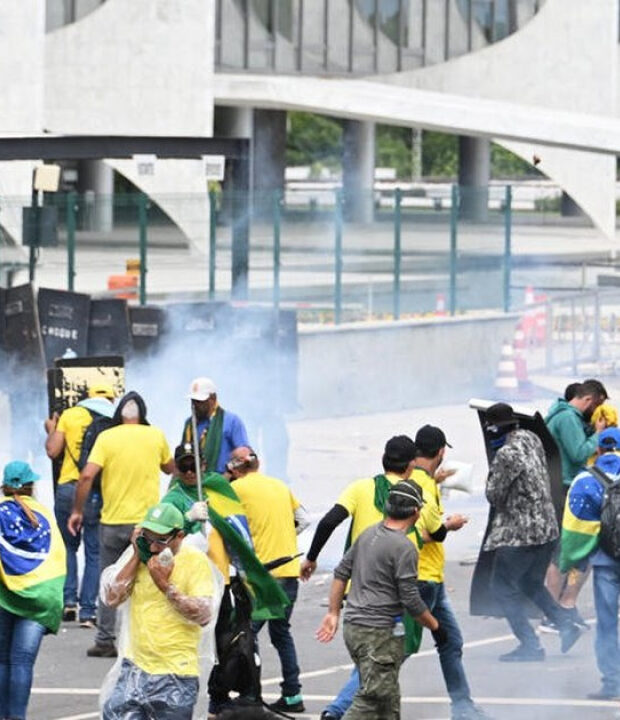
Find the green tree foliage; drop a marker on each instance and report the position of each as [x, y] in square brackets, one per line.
[440, 155]
[393, 149]
[313, 139]
[508, 166]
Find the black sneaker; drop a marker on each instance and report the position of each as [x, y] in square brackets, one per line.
[576, 617]
[69, 614]
[103, 651]
[524, 654]
[288, 703]
[569, 634]
[326, 715]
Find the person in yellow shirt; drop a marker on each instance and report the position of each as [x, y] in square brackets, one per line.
[170, 588]
[64, 437]
[275, 517]
[130, 456]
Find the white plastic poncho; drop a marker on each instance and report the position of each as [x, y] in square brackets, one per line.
[157, 641]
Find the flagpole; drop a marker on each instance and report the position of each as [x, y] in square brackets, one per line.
[196, 455]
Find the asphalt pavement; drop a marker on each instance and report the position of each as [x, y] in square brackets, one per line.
[326, 455]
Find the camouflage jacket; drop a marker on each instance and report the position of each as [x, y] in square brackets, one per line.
[519, 493]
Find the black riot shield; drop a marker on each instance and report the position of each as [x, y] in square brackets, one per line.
[481, 599]
[63, 317]
[108, 331]
[21, 336]
[146, 325]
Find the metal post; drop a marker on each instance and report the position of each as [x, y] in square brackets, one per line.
[277, 196]
[507, 246]
[212, 242]
[34, 235]
[70, 220]
[573, 320]
[241, 199]
[454, 214]
[338, 259]
[596, 349]
[397, 251]
[142, 220]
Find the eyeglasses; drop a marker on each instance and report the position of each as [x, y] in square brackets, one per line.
[163, 542]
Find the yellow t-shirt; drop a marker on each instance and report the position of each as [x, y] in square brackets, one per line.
[432, 556]
[358, 499]
[270, 507]
[72, 423]
[161, 641]
[131, 456]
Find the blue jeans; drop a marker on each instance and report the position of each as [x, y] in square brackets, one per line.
[606, 597]
[450, 656]
[282, 640]
[20, 640]
[87, 598]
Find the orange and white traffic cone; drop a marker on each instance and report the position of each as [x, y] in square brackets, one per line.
[506, 382]
[440, 304]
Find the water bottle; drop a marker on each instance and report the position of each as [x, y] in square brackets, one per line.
[165, 557]
[399, 627]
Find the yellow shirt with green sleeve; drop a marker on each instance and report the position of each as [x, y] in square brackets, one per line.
[72, 423]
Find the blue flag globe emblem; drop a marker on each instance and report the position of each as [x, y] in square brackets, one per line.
[22, 547]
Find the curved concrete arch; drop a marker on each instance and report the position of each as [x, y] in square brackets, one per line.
[563, 97]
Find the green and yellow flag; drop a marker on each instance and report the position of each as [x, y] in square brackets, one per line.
[32, 563]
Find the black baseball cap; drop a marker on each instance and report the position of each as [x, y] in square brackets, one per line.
[183, 451]
[430, 439]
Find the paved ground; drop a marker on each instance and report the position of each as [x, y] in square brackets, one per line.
[325, 456]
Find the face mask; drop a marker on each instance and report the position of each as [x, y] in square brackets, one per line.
[144, 551]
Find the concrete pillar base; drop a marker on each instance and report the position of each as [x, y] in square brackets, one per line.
[96, 182]
[474, 177]
[358, 170]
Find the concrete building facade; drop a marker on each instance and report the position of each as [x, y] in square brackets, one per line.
[538, 76]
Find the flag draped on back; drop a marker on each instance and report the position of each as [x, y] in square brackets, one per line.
[581, 521]
[227, 516]
[32, 563]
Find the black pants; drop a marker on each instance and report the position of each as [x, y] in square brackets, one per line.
[519, 577]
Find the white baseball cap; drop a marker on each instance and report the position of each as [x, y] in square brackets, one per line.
[201, 389]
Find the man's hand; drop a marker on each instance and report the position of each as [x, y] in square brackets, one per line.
[50, 423]
[74, 523]
[440, 636]
[327, 628]
[441, 474]
[307, 569]
[456, 521]
[160, 573]
[198, 511]
[600, 424]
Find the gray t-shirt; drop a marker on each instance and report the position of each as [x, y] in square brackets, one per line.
[383, 567]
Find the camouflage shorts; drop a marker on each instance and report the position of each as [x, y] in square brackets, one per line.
[378, 655]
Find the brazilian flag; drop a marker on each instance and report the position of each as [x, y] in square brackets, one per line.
[32, 563]
[227, 516]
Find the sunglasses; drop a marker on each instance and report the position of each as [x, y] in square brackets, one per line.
[187, 466]
[162, 542]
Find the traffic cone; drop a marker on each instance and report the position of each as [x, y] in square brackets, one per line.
[440, 304]
[506, 382]
[530, 297]
[523, 383]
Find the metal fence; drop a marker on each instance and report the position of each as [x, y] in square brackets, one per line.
[389, 253]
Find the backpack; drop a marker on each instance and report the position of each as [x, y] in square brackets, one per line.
[609, 535]
[97, 425]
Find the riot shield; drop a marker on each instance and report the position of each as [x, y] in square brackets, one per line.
[22, 337]
[146, 325]
[481, 599]
[108, 331]
[63, 317]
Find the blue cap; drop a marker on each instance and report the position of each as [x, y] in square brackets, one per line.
[609, 439]
[18, 473]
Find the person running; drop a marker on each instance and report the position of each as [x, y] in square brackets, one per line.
[382, 568]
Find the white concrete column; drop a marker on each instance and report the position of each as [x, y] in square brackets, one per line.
[474, 176]
[96, 182]
[358, 170]
[269, 150]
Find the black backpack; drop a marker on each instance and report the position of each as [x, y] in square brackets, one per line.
[609, 535]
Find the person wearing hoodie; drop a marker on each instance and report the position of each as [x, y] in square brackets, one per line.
[130, 456]
[64, 438]
[568, 422]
